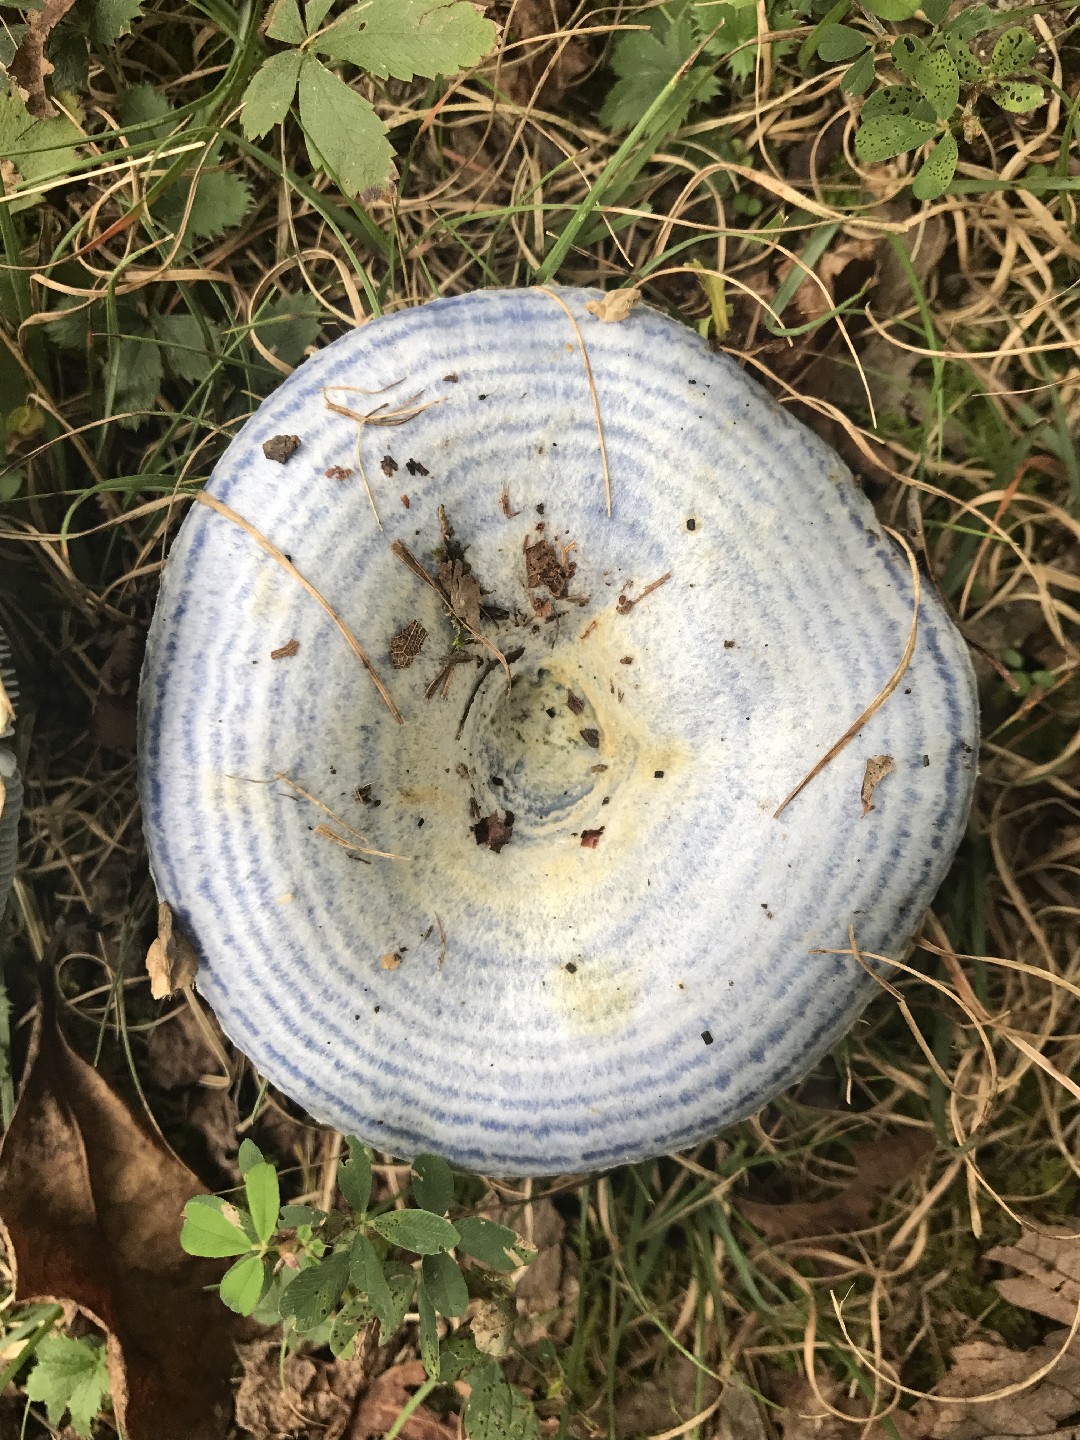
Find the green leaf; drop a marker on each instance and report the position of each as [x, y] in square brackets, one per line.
[295, 1215]
[496, 1245]
[445, 1284]
[896, 101]
[429, 1332]
[883, 136]
[936, 76]
[354, 1177]
[249, 1154]
[315, 12]
[858, 78]
[222, 200]
[972, 20]
[645, 62]
[264, 1199]
[270, 93]
[839, 42]
[416, 1230]
[344, 134]
[935, 10]
[967, 65]
[284, 23]
[70, 1375]
[142, 105]
[432, 1183]
[1013, 51]
[405, 38]
[137, 369]
[39, 149]
[401, 1279]
[243, 1284]
[112, 18]
[495, 1410]
[11, 482]
[1018, 96]
[367, 1275]
[209, 1231]
[288, 324]
[892, 9]
[937, 170]
[309, 1298]
[906, 52]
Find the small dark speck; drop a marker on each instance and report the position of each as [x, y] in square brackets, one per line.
[332, 770]
[570, 967]
[591, 738]
[540, 508]
[482, 397]
[287, 557]
[356, 1017]
[907, 690]
[706, 1035]
[450, 379]
[729, 644]
[606, 800]
[551, 712]
[965, 747]
[925, 760]
[658, 774]
[691, 524]
[420, 823]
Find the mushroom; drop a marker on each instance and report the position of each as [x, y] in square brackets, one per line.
[10, 781]
[519, 886]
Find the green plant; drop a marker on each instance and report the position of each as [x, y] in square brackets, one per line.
[70, 1375]
[945, 79]
[328, 1275]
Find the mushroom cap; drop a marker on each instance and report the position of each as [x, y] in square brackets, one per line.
[567, 1000]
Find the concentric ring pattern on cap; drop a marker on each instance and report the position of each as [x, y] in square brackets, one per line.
[641, 964]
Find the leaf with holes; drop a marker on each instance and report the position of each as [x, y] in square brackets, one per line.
[936, 76]
[428, 1332]
[1019, 97]
[367, 1275]
[892, 9]
[494, 1245]
[495, 1410]
[309, 1299]
[445, 1284]
[937, 170]
[416, 1230]
[270, 93]
[906, 52]
[839, 42]
[1013, 51]
[405, 38]
[883, 136]
[897, 101]
[209, 1231]
[343, 133]
[354, 1177]
[968, 67]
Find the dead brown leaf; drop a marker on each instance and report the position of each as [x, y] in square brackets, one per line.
[493, 832]
[548, 68]
[463, 590]
[171, 961]
[29, 66]
[615, 306]
[981, 1367]
[664, 1400]
[546, 1293]
[811, 300]
[543, 567]
[318, 1398]
[877, 767]
[879, 1165]
[286, 651]
[177, 1050]
[91, 1207]
[407, 644]
[1049, 1279]
[384, 1400]
[805, 1417]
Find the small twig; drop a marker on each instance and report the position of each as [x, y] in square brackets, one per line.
[883, 695]
[442, 940]
[445, 675]
[272, 550]
[374, 417]
[328, 834]
[624, 606]
[409, 560]
[592, 391]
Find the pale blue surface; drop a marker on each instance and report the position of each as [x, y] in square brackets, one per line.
[697, 911]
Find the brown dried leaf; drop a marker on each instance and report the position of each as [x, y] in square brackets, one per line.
[91, 1207]
[171, 961]
[317, 1397]
[554, 69]
[1049, 1279]
[29, 66]
[178, 1052]
[286, 651]
[543, 567]
[982, 1367]
[811, 301]
[463, 591]
[803, 1416]
[384, 1400]
[407, 644]
[877, 767]
[615, 306]
[493, 832]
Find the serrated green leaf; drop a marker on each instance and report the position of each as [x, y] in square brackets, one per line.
[429, 1332]
[249, 1153]
[343, 133]
[906, 52]
[354, 1177]
[143, 105]
[1019, 97]
[968, 67]
[839, 42]
[221, 201]
[264, 1198]
[207, 1231]
[645, 62]
[936, 76]
[309, 1298]
[70, 1375]
[109, 19]
[243, 1284]
[937, 170]
[367, 1275]
[971, 21]
[137, 371]
[445, 1284]
[284, 23]
[1013, 51]
[858, 78]
[892, 9]
[406, 38]
[896, 101]
[38, 149]
[288, 324]
[416, 1230]
[883, 136]
[270, 93]
[432, 1183]
[496, 1245]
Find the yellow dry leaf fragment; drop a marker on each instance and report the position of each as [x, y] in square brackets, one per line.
[615, 306]
[877, 767]
[171, 961]
[390, 961]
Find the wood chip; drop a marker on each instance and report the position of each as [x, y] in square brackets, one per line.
[281, 447]
[877, 767]
[286, 651]
[339, 472]
[543, 567]
[388, 465]
[493, 832]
